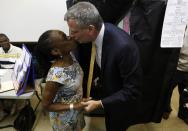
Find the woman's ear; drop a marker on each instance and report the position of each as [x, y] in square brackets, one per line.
[56, 52]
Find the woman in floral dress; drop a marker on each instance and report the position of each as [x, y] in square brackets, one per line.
[62, 95]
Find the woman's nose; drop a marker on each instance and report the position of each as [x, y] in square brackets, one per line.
[68, 37]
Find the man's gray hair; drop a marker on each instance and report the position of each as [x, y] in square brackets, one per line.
[85, 14]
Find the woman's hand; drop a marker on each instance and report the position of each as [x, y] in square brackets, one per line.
[80, 105]
[92, 105]
[86, 99]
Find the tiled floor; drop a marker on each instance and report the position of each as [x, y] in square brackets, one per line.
[97, 123]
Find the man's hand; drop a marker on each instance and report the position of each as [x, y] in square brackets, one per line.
[80, 105]
[86, 99]
[92, 105]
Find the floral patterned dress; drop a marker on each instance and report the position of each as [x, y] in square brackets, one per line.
[70, 91]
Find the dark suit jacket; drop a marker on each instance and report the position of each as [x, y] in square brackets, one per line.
[111, 10]
[158, 64]
[121, 78]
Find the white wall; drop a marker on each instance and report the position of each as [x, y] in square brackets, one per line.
[26, 20]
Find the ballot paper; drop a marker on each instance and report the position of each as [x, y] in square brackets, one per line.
[176, 18]
[6, 80]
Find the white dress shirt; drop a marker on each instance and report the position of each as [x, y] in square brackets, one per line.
[99, 43]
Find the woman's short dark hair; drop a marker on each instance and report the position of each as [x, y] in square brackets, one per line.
[43, 49]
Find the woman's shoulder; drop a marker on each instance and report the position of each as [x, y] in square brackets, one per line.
[57, 64]
[63, 64]
[56, 74]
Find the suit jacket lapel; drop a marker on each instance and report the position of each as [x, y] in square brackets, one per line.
[105, 50]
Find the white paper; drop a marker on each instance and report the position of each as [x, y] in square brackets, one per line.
[2, 72]
[6, 80]
[176, 18]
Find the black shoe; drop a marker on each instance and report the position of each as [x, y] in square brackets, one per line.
[186, 121]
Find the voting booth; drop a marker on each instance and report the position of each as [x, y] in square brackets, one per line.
[17, 78]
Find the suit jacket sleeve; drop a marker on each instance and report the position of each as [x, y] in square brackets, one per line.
[112, 10]
[127, 98]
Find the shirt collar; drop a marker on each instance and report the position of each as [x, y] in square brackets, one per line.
[99, 39]
[10, 49]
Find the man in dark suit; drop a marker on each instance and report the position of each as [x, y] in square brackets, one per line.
[111, 11]
[118, 58]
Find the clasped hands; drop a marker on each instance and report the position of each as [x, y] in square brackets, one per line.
[88, 104]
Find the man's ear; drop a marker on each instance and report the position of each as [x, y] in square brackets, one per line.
[91, 28]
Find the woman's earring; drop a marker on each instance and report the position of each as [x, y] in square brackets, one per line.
[61, 56]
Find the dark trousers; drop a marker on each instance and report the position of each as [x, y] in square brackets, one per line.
[179, 79]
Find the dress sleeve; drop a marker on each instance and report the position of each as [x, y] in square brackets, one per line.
[56, 74]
